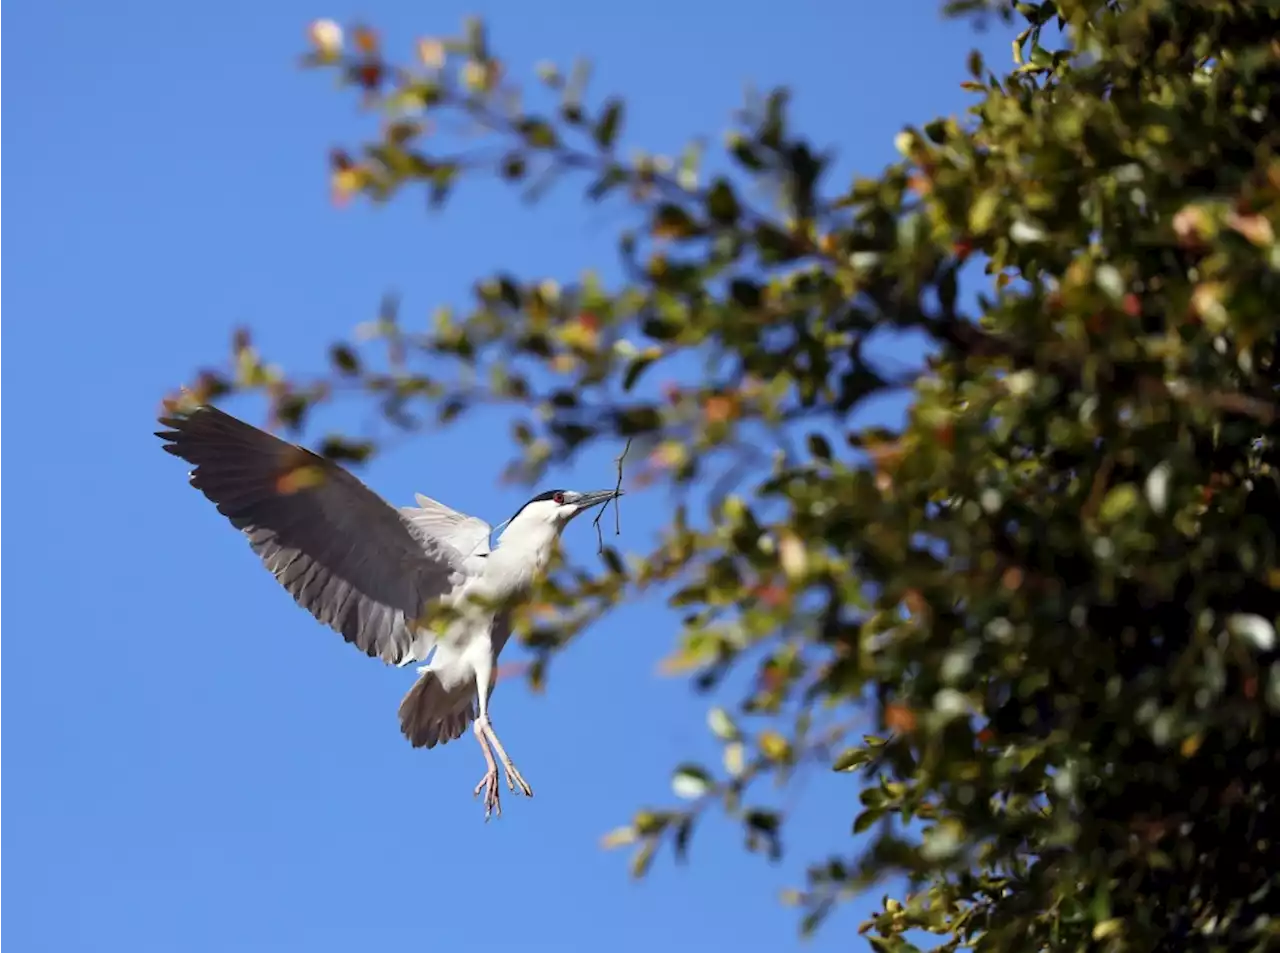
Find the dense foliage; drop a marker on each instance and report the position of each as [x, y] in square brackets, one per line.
[1036, 626]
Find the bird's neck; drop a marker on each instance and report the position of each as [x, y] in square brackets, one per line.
[523, 552]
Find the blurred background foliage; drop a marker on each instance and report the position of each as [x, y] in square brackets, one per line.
[1036, 626]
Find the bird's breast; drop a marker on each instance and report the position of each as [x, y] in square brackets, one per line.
[512, 572]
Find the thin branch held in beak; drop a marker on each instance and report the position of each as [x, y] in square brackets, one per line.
[617, 514]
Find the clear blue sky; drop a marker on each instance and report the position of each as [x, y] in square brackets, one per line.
[193, 763]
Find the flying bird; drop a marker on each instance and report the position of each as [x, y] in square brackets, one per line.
[372, 571]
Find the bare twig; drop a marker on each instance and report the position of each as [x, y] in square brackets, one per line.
[617, 514]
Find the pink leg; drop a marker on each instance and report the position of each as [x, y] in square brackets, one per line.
[489, 783]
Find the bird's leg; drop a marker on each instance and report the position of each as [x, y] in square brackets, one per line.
[514, 779]
[489, 783]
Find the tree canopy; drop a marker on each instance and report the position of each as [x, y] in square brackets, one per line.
[1036, 625]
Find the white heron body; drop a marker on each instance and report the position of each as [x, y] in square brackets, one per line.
[463, 659]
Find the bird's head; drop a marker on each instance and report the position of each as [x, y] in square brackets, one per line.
[556, 508]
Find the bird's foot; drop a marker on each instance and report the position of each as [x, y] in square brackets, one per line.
[516, 781]
[489, 785]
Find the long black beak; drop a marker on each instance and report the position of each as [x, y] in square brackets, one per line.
[596, 497]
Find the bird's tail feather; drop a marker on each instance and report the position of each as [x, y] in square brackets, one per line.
[431, 715]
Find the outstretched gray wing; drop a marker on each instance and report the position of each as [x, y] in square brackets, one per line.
[342, 552]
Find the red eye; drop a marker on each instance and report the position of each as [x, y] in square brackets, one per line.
[559, 498]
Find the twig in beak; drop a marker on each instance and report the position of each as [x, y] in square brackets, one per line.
[617, 514]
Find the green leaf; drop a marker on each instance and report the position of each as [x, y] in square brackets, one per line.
[618, 837]
[661, 327]
[1119, 502]
[642, 858]
[690, 165]
[637, 366]
[735, 758]
[745, 293]
[722, 204]
[341, 450]
[819, 447]
[1254, 629]
[451, 409]
[892, 944]
[648, 823]
[635, 421]
[851, 758]
[975, 64]
[440, 183]
[345, 360]
[691, 782]
[606, 130]
[773, 129]
[810, 922]
[873, 797]
[948, 288]
[613, 561]
[866, 819]
[722, 724]
[1107, 928]
[776, 246]
[671, 221]
[538, 133]
[680, 839]
[747, 156]
[983, 211]
[477, 40]
[576, 86]
[514, 167]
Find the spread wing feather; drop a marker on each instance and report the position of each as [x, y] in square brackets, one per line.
[343, 553]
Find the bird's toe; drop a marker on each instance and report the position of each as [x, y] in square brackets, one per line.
[516, 781]
[492, 801]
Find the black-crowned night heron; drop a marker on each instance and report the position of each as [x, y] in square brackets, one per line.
[371, 571]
